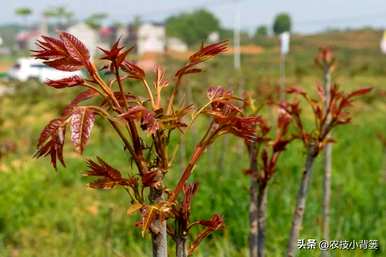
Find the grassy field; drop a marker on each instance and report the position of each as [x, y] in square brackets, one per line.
[44, 213]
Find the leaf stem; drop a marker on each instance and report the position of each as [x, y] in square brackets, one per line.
[149, 93]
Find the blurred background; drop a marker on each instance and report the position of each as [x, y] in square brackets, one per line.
[46, 213]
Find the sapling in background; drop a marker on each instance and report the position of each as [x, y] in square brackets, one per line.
[271, 141]
[144, 124]
[326, 61]
[325, 120]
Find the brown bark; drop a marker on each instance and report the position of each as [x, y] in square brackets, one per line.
[301, 201]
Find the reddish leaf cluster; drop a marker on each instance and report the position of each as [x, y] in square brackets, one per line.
[82, 121]
[52, 137]
[182, 213]
[325, 58]
[200, 56]
[116, 55]
[147, 118]
[66, 82]
[51, 141]
[130, 116]
[183, 210]
[134, 71]
[214, 224]
[269, 148]
[229, 116]
[325, 118]
[66, 53]
[110, 177]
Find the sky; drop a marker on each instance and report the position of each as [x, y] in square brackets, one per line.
[308, 16]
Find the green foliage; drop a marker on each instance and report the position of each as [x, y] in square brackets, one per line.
[192, 27]
[23, 11]
[95, 20]
[8, 33]
[261, 31]
[282, 23]
[61, 14]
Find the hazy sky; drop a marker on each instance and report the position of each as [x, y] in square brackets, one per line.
[308, 15]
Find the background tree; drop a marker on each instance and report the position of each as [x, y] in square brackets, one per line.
[24, 12]
[282, 23]
[137, 21]
[95, 20]
[61, 15]
[192, 27]
[261, 31]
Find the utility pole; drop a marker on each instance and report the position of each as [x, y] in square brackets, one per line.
[284, 49]
[282, 77]
[236, 36]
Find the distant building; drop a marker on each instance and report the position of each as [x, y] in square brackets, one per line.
[176, 45]
[151, 38]
[26, 39]
[87, 35]
[107, 34]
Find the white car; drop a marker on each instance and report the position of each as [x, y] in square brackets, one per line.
[29, 68]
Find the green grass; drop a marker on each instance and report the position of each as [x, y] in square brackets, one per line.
[46, 213]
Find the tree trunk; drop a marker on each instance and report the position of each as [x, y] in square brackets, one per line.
[326, 196]
[181, 250]
[327, 166]
[261, 212]
[301, 201]
[158, 229]
[253, 214]
[253, 218]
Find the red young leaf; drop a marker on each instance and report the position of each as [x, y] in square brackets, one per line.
[82, 121]
[296, 90]
[208, 51]
[50, 48]
[133, 70]
[64, 64]
[51, 141]
[76, 49]
[189, 191]
[152, 178]
[110, 176]
[116, 54]
[160, 81]
[200, 56]
[325, 57]
[359, 92]
[147, 118]
[48, 130]
[215, 223]
[66, 53]
[66, 82]
[89, 93]
[215, 93]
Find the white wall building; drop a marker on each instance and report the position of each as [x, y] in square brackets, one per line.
[151, 38]
[176, 45]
